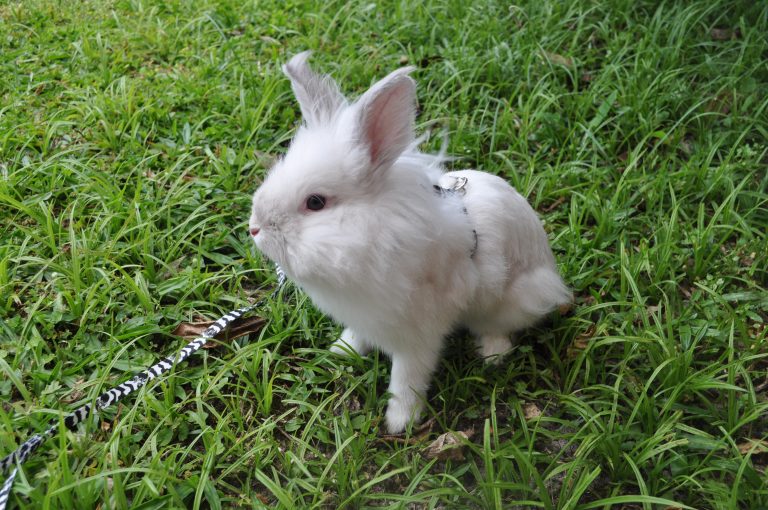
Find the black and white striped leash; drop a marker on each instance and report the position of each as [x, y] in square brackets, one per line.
[13, 461]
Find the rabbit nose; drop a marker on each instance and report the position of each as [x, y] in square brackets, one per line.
[255, 231]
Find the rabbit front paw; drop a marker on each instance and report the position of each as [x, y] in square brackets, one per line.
[408, 386]
[400, 412]
[349, 343]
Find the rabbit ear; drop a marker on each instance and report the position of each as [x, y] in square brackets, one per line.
[318, 95]
[387, 112]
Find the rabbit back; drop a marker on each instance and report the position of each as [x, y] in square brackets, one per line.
[518, 280]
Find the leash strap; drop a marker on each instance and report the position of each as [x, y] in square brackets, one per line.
[114, 395]
[459, 187]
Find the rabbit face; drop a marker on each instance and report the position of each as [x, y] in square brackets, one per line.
[321, 206]
[300, 214]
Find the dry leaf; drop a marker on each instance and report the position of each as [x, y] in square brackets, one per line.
[269, 40]
[531, 411]
[754, 446]
[554, 205]
[448, 446]
[721, 104]
[686, 145]
[720, 34]
[77, 392]
[762, 386]
[241, 327]
[748, 260]
[724, 34]
[581, 342]
[589, 333]
[419, 433]
[106, 426]
[191, 329]
[556, 58]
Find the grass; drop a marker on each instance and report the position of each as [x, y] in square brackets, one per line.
[132, 133]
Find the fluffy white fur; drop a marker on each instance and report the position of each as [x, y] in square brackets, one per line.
[389, 257]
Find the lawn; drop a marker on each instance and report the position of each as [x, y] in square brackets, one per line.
[133, 132]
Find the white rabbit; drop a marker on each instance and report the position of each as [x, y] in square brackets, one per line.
[391, 246]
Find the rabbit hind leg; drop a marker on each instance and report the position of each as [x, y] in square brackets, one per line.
[493, 347]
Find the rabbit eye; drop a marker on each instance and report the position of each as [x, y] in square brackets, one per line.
[315, 202]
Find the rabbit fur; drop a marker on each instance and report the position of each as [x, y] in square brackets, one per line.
[397, 260]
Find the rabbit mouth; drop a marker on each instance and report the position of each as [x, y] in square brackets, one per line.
[273, 247]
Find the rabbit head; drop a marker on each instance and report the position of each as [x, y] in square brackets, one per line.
[313, 210]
